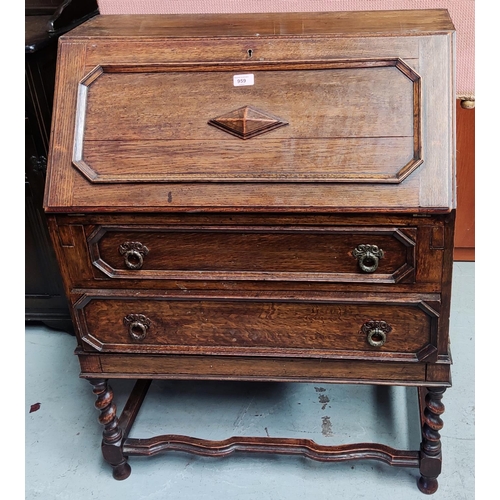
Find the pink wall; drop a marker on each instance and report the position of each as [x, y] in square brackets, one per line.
[461, 12]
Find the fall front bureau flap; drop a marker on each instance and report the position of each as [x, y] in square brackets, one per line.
[325, 111]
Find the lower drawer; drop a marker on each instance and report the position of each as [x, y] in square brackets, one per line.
[388, 327]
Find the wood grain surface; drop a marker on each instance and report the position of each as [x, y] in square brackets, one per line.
[254, 326]
[307, 253]
[252, 252]
[374, 23]
[353, 124]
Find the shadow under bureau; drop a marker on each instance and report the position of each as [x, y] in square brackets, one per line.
[258, 197]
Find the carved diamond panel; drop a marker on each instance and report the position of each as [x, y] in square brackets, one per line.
[247, 122]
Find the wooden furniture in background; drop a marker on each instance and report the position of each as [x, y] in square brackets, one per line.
[41, 7]
[258, 197]
[466, 215]
[45, 300]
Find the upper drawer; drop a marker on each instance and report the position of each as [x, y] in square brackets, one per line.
[328, 121]
[301, 253]
[217, 250]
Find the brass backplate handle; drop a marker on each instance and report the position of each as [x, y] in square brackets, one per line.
[368, 257]
[133, 253]
[138, 325]
[376, 332]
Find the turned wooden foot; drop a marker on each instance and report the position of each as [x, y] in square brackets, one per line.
[430, 448]
[112, 436]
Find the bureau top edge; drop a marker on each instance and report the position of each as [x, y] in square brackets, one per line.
[321, 24]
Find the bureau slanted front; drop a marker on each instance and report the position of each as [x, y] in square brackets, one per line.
[258, 197]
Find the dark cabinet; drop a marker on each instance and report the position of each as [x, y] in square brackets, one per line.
[44, 296]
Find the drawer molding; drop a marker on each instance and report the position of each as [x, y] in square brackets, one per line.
[405, 273]
[188, 367]
[93, 157]
[170, 313]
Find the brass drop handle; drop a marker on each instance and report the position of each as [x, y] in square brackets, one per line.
[133, 253]
[368, 256]
[376, 332]
[376, 337]
[138, 325]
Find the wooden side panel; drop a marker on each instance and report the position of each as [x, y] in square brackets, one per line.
[439, 373]
[60, 177]
[437, 187]
[466, 210]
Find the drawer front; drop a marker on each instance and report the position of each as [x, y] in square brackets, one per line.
[387, 327]
[293, 253]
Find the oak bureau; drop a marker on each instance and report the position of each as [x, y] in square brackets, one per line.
[258, 197]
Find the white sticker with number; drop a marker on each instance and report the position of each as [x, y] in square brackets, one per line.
[242, 80]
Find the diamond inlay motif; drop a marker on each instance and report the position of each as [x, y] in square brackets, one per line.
[247, 122]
